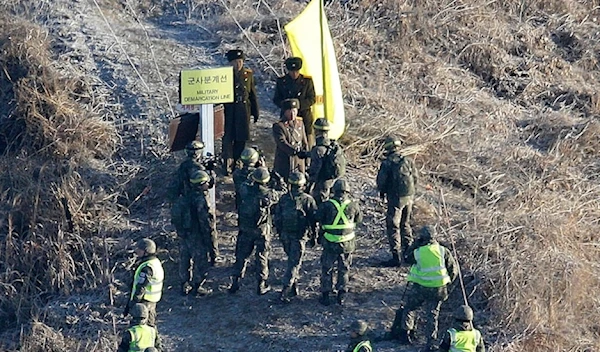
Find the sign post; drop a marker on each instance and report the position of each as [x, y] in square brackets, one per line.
[199, 90]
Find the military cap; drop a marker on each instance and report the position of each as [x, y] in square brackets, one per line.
[147, 245]
[428, 233]
[290, 104]
[151, 349]
[359, 326]
[261, 175]
[391, 142]
[293, 63]
[235, 54]
[199, 177]
[249, 156]
[341, 185]
[297, 178]
[139, 311]
[195, 145]
[322, 124]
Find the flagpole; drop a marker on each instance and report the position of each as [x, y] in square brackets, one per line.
[323, 74]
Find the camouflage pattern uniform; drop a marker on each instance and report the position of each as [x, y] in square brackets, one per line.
[254, 222]
[339, 253]
[139, 326]
[294, 220]
[399, 205]
[322, 182]
[196, 241]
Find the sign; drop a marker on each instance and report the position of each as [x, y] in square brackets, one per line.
[208, 86]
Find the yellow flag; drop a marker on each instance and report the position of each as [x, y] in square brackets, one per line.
[310, 39]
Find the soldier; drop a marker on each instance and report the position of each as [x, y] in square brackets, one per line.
[295, 85]
[180, 188]
[140, 336]
[338, 218]
[396, 182]
[322, 171]
[290, 140]
[359, 342]
[250, 158]
[294, 221]
[147, 280]
[433, 269]
[237, 114]
[463, 337]
[254, 222]
[195, 237]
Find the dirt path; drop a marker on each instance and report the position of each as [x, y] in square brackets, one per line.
[137, 103]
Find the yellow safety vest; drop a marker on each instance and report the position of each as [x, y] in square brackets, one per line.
[142, 337]
[341, 230]
[154, 289]
[365, 344]
[464, 341]
[430, 270]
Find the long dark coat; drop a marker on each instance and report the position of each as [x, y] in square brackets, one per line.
[237, 114]
[302, 89]
[289, 138]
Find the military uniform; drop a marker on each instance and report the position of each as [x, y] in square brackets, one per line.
[301, 88]
[254, 222]
[196, 242]
[462, 337]
[147, 285]
[359, 338]
[399, 203]
[237, 113]
[139, 337]
[291, 143]
[294, 221]
[317, 174]
[433, 269]
[338, 218]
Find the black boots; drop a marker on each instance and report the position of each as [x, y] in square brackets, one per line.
[394, 262]
[325, 299]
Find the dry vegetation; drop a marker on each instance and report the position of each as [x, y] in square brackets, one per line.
[496, 100]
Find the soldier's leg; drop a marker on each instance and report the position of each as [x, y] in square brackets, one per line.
[238, 148]
[201, 265]
[227, 152]
[243, 248]
[185, 256]
[432, 309]
[392, 221]
[263, 247]
[287, 248]
[328, 260]
[344, 263]
[406, 235]
[212, 240]
[151, 312]
[295, 260]
[414, 299]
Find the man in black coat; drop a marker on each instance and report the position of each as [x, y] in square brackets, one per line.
[237, 114]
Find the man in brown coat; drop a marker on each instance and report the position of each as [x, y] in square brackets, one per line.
[237, 114]
[290, 139]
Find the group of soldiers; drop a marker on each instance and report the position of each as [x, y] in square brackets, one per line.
[306, 199]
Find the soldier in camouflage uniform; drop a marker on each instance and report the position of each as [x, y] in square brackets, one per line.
[320, 181]
[254, 222]
[180, 187]
[295, 85]
[139, 336]
[396, 182]
[250, 158]
[195, 237]
[433, 270]
[294, 220]
[338, 218]
[359, 339]
[238, 112]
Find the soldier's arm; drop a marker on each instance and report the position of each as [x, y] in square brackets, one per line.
[358, 217]
[175, 187]
[277, 221]
[278, 97]
[382, 178]
[309, 97]
[481, 345]
[409, 257]
[157, 342]
[282, 142]
[415, 171]
[445, 345]
[143, 282]
[451, 264]
[253, 98]
[316, 162]
[125, 342]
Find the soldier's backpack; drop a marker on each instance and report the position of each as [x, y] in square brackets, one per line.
[293, 217]
[254, 205]
[402, 175]
[334, 163]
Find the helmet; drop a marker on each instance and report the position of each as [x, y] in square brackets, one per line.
[297, 178]
[151, 349]
[139, 311]
[261, 175]
[194, 147]
[464, 313]
[428, 233]
[321, 124]
[147, 245]
[391, 142]
[249, 156]
[199, 177]
[359, 326]
[341, 186]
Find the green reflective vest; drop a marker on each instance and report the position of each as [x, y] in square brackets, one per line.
[142, 337]
[430, 270]
[365, 344]
[464, 341]
[341, 230]
[154, 289]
